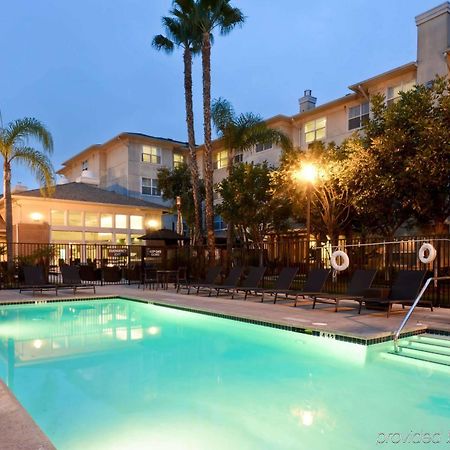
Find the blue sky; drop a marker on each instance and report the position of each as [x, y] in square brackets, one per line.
[87, 70]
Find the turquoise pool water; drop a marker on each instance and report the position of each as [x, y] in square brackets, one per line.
[116, 374]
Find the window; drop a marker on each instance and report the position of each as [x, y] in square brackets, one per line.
[136, 222]
[238, 157]
[358, 115]
[58, 217]
[134, 238]
[121, 221]
[262, 147]
[106, 220]
[178, 160]
[221, 159]
[84, 165]
[315, 130]
[121, 239]
[393, 92]
[151, 155]
[150, 187]
[69, 236]
[75, 219]
[91, 219]
[98, 237]
[219, 224]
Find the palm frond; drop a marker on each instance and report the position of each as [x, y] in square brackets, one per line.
[39, 164]
[161, 42]
[18, 132]
[222, 114]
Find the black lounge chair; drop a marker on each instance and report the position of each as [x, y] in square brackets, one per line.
[313, 285]
[72, 279]
[360, 282]
[230, 282]
[251, 282]
[211, 275]
[35, 280]
[282, 284]
[404, 290]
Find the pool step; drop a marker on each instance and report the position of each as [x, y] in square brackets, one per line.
[426, 350]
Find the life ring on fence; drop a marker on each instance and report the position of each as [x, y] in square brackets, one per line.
[431, 253]
[334, 260]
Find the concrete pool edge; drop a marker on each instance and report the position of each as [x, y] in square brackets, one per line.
[17, 428]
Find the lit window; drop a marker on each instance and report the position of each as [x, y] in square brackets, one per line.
[136, 222]
[91, 219]
[178, 160]
[134, 238]
[262, 147]
[58, 217]
[221, 159]
[121, 239]
[67, 236]
[358, 115]
[98, 237]
[84, 165]
[121, 221]
[75, 219]
[151, 155]
[393, 92]
[315, 130]
[219, 224]
[106, 220]
[150, 187]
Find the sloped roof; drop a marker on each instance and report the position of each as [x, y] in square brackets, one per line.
[82, 192]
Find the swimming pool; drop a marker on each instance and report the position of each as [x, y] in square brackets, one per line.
[116, 374]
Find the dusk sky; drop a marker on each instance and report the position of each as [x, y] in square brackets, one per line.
[86, 68]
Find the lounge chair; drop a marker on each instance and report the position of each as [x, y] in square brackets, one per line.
[251, 282]
[211, 275]
[72, 279]
[35, 280]
[404, 290]
[282, 284]
[230, 282]
[313, 285]
[360, 282]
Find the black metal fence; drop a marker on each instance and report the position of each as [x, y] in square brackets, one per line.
[124, 264]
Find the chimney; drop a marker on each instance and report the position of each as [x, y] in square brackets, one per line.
[307, 102]
[433, 43]
[18, 188]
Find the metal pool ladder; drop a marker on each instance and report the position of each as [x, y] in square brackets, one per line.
[411, 310]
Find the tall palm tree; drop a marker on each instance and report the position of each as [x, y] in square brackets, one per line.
[209, 15]
[181, 32]
[14, 147]
[241, 133]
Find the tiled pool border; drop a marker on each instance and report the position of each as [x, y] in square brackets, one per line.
[302, 330]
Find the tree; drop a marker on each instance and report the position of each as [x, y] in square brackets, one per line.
[181, 32]
[175, 183]
[249, 200]
[212, 14]
[14, 147]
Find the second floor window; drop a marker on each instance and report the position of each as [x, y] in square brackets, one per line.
[238, 157]
[262, 147]
[219, 224]
[150, 187]
[151, 155]
[178, 160]
[84, 165]
[358, 115]
[221, 159]
[393, 92]
[315, 130]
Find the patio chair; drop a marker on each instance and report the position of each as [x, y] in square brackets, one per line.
[282, 284]
[313, 285]
[230, 282]
[111, 274]
[360, 282]
[34, 280]
[211, 275]
[72, 279]
[404, 291]
[251, 282]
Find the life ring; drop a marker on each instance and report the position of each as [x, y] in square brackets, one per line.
[431, 253]
[334, 260]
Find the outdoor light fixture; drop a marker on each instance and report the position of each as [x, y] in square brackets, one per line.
[152, 223]
[36, 216]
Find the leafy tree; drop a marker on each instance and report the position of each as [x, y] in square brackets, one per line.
[14, 147]
[209, 15]
[181, 32]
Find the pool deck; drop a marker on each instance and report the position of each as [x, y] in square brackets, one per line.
[19, 431]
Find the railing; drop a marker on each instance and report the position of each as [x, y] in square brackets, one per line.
[413, 306]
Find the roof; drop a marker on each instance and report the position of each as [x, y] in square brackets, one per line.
[124, 135]
[81, 192]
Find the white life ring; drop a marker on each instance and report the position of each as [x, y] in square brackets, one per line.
[334, 260]
[431, 253]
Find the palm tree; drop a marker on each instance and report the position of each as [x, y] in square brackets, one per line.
[14, 148]
[180, 32]
[209, 15]
[241, 133]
